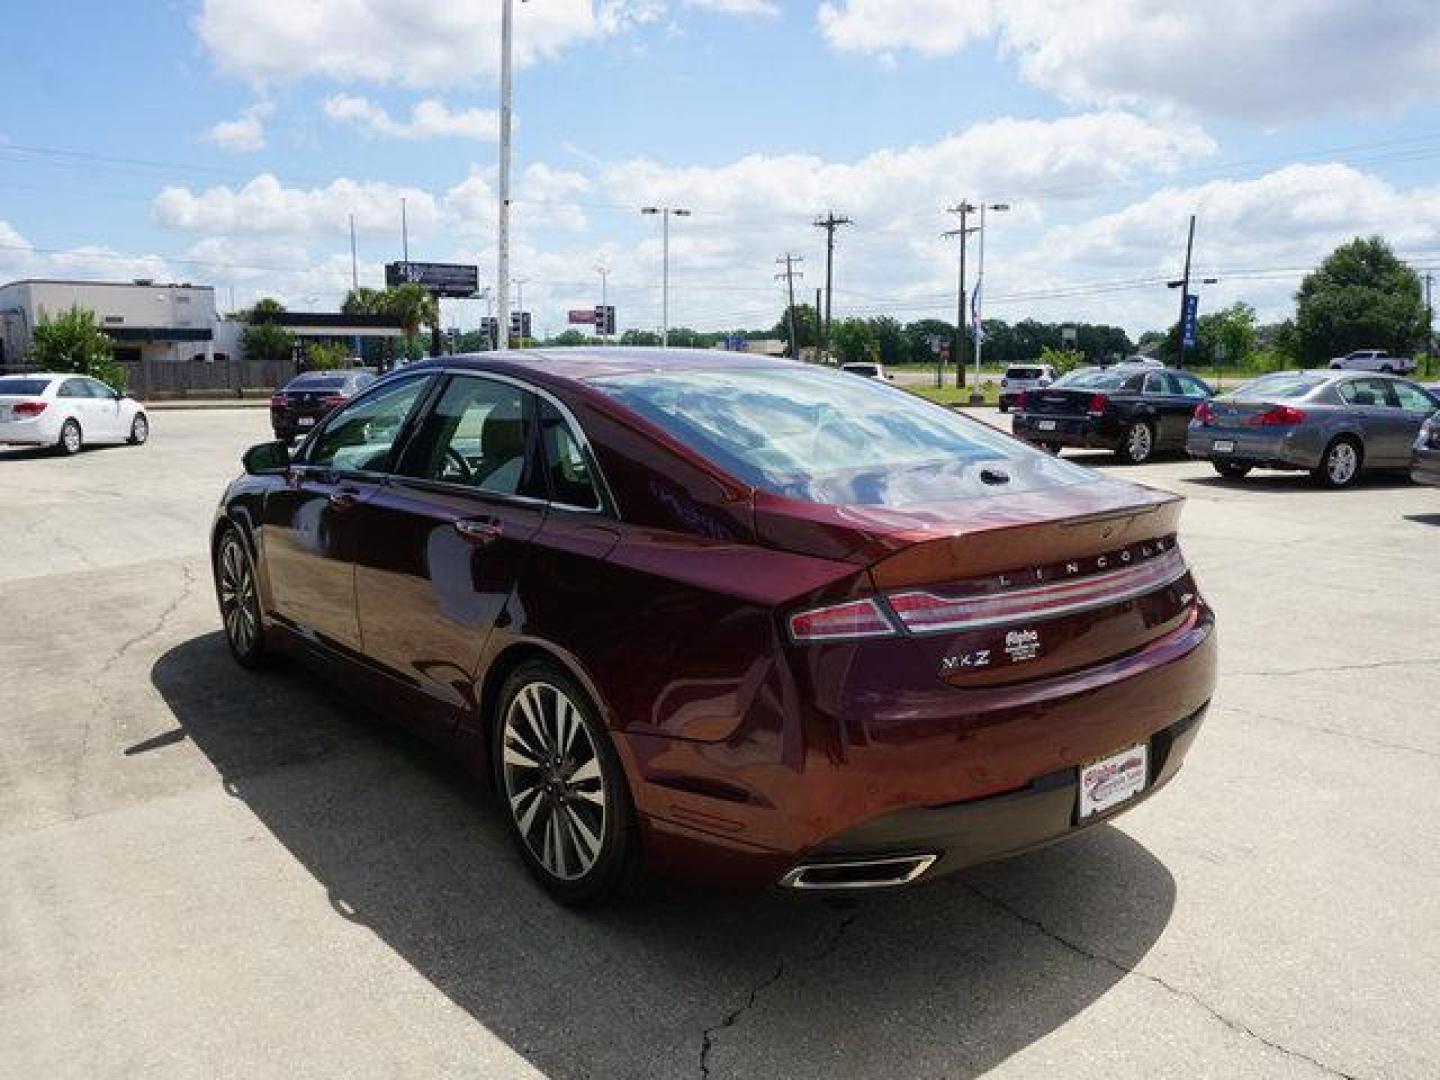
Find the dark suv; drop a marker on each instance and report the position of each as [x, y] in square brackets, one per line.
[310, 396]
[1135, 411]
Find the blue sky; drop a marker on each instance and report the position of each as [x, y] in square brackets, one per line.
[228, 141]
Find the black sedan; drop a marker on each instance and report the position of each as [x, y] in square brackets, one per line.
[1135, 411]
[312, 395]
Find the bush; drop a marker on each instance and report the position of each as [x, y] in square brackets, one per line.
[1062, 360]
[326, 356]
[73, 341]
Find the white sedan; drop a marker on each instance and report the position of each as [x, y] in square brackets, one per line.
[67, 411]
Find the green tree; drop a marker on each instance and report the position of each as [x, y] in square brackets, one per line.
[1231, 329]
[642, 338]
[363, 300]
[570, 337]
[326, 355]
[853, 341]
[266, 309]
[412, 306]
[264, 339]
[1062, 360]
[807, 326]
[73, 341]
[1360, 297]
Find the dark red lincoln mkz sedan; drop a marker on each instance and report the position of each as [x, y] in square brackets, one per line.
[745, 621]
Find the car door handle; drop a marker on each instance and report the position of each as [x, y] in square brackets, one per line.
[344, 499]
[479, 531]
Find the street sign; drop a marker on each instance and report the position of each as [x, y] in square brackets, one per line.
[443, 279]
[1187, 327]
[583, 316]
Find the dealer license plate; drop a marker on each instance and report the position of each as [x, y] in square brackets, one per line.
[1045, 425]
[1224, 446]
[305, 421]
[1113, 780]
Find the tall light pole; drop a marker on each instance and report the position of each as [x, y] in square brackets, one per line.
[666, 213]
[964, 208]
[604, 272]
[502, 238]
[976, 304]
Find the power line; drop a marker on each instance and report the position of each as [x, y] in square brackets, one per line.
[829, 223]
[790, 275]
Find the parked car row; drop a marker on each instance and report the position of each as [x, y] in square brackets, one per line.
[1334, 424]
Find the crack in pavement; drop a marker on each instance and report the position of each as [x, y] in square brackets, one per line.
[1327, 668]
[707, 1037]
[1237, 1026]
[116, 655]
[1337, 732]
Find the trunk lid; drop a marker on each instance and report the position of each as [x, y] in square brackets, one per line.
[1001, 588]
[1052, 402]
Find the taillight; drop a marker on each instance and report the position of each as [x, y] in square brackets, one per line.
[1022, 399]
[1280, 416]
[29, 408]
[1204, 414]
[1098, 404]
[333, 401]
[278, 401]
[835, 622]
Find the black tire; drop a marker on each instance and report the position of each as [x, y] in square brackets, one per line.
[1004, 405]
[1386, 369]
[1137, 444]
[72, 439]
[237, 591]
[1333, 471]
[561, 793]
[1231, 470]
[139, 429]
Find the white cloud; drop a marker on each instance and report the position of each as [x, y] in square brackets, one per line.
[1273, 60]
[418, 43]
[429, 119]
[737, 7]
[244, 134]
[264, 206]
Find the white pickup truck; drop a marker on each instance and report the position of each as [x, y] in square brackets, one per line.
[1373, 360]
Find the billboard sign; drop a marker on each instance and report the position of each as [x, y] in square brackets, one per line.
[442, 279]
[582, 316]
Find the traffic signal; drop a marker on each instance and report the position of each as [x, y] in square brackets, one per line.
[604, 319]
[520, 324]
[490, 330]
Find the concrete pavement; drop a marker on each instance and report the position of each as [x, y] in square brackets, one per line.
[206, 872]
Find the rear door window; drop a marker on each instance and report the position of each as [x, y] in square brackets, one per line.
[1366, 393]
[1188, 386]
[73, 388]
[567, 465]
[1413, 399]
[1157, 382]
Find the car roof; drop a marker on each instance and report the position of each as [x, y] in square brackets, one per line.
[592, 362]
[47, 375]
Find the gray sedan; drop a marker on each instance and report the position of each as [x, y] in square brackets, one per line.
[1332, 424]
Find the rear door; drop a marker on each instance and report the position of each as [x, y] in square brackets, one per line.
[1186, 392]
[445, 539]
[311, 527]
[1417, 407]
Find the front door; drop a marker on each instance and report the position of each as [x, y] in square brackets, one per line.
[446, 539]
[310, 529]
[1387, 435]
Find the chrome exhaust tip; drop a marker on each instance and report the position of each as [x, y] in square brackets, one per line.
[883, 873]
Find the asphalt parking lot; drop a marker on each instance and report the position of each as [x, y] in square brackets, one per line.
[209, 873]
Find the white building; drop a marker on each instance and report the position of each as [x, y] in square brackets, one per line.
[146, 321]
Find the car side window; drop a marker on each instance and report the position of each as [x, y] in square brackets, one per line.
[1365, 392]
[1189, 386]
[361, 436]
[571, 480]
[1132, 385]
[1157, 383]
[478, 435]
[1413, 399]
[96, 389]
[73, 388]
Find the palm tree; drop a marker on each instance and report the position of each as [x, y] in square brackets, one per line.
[412, 306]
[363, 301]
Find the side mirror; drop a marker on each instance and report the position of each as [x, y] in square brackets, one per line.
[266, 457]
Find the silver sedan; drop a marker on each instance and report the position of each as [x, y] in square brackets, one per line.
[1332, 424]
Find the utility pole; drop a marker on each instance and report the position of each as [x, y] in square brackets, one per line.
[977, 301]
[354, 269]
[964, 208]
[1185, 291]
[666, 213]
[790, 274]
[1429, 324]
[404, 233]
[502, 237]
[829, 223]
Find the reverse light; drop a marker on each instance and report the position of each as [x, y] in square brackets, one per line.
[26, 409]
[1098, 404]
[1280, 416]
[1204, 414]
[836, 622]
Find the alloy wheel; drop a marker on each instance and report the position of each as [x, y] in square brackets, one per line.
[70, 437]
[238, 601]
[554, 783]
[1139, 443]
[1342, 463]
[139, 430]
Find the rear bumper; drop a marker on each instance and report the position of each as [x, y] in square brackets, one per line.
[1093, 433]
[965, 776]
[37, 432]
[1278, 448]
[982, 830]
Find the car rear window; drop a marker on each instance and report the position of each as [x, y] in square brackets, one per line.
[13, 386]
[815, 435]
[1279, 386]
[1091, 380]
[317, 382]
[1023, 373]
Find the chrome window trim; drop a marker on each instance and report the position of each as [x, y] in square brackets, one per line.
[608, 506]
